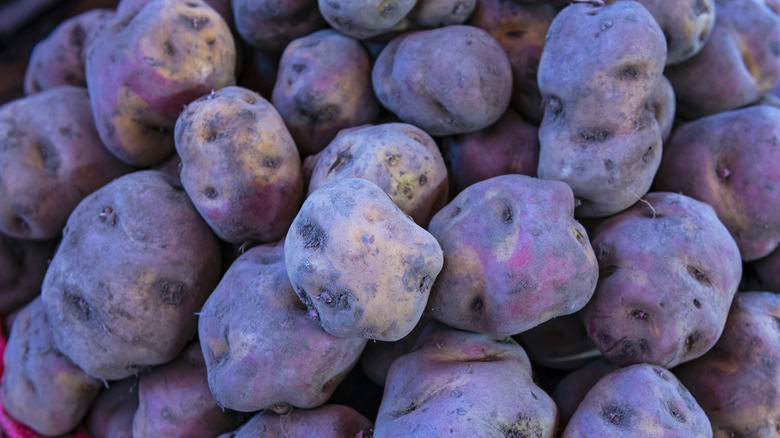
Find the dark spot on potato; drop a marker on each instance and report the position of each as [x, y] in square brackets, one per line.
[691, 341]
[312, 236]
[524, 427]
[199, 23]
[607, 271]
[515, 33]
[50, 159]
[579, 236]
[357, 315]
[697, 303]
[555, 104]
[423, 180]
[191, 4]
[629, 72]
[297, 68]
[618, 415]
[78, 36]
[506, 215]
[168, 48]
[65, 131]
[476, 304]
[343, 157]
[596, 135]
[456, 211]
[171, 292]
[639, 314]
[81, 307]
[210, 192]
[674, 412]
[334, 5]
[627, 349]
[648, 155]
[609, 164]
[699, 7]
[698, 275]
[272, 162]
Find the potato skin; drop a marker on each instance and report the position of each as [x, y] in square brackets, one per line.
[572, 389]
[111, 416]
[23, 264]
[271, 25]
[364, 19]
[329, 421]
[135, 264]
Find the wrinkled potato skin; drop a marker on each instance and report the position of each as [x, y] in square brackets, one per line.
[261, 347]
[323, 86]
[329, 421]
[641, 400]
[768, 270]
[350, 225]
[240, 166]
[515, 256]
[271, 25]
[23, 264]
[50, 158]
[143, 67]
[438, 98]
[42, 388]
[667, 277]
[736, 382]
[457, 383]
[400, 158]
[364, 19]
[729, 160]
[599, 133]
[135, 264]
[111, 416]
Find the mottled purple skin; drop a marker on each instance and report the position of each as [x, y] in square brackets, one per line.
[42, 388]
[739, 63]
[768, 270]
[511, 145]
[329, 421]
[664, 106]
[515, 256]
[261, 347]
[447, 81]
[667, 278]
[457, 383]
[240, 166]
[270, 25]
[737, 381]
[111, 415]
[135, 264]
[50, 158]
[363, 19]
[728, 160]
[174, 401]
[429, 14]
[23, 264]
[324, 86]
[561, 343]
[641, 400]
[143, 67]
[573, 388]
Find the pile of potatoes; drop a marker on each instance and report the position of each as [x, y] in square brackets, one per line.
[418, 218]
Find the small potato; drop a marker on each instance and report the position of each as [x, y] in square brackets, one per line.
[351, 226]
[364, 19]
[768, 270]
[23, 264]
[329, 421]
[111, 416]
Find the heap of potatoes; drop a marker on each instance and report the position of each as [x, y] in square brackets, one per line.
[417, 218]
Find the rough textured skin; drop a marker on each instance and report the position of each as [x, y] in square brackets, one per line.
[50, 158]
[240, 166]
[23, 264]
[511, 145]
[600, 133]
[142, 67]
[59, 58]
[515, 256]
[729, 161]
[739, 63]
[364, 19]
[429, 14]
[378, 356]
[174, 401]
[135, 263]
[768, 270]
[400, 158]
[351, 226]
[561, 343]
[573, 388]
[270, 25]
[262, 349]
[668, 272]
[737, 381]
[457, 383]
[323, 86]
[641, 400]
[415, 77]
[520, 29]
[329, 421]
[41, 387]
[111, 416]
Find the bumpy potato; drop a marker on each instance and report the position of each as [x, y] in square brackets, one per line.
[270, 25]
[329, 421]
[363, 19]
[350, 226]
[111, 416]
[23, 264]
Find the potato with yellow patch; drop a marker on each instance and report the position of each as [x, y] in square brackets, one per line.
[361, 266]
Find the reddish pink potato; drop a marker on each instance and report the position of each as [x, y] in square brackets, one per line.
[23, 264]
[561, 343]
[379, 356]
[364, 19]
[450, 80]
[240, 166]
[111, 416]
[457, 383]
[143, 67]
[262, 349]
[401, 159]
[739, 63]
[736, 174]
[329, 421]
[50, 158]
[41, 388]
[323, 86]
[668, 272]
[737, 383]
[270, 25]
[573, 388]
[768, 270]
[641, 400]
[135, 264]
[510, 145]
[350, 226]
[515, 256]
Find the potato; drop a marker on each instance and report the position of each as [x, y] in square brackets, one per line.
[323, 86]
[598, 73]
[132, 7]
[262, 349]
[347, 226]
[561, 343]
[40, 387]
[50, 158]
[111, 416]
[143, 67]
[270, 25]
[240, 166]
[668, 272]
[135, 263]
[457, 383]
[364, 19]
[664, 107]
[329, 421]
[737, 383]
[429, 14]
[515, 257]
[728, 161]
[400, 158]
[641, 400]
[768, 270]
[23, 264]
[573, 388]
[467, 88]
